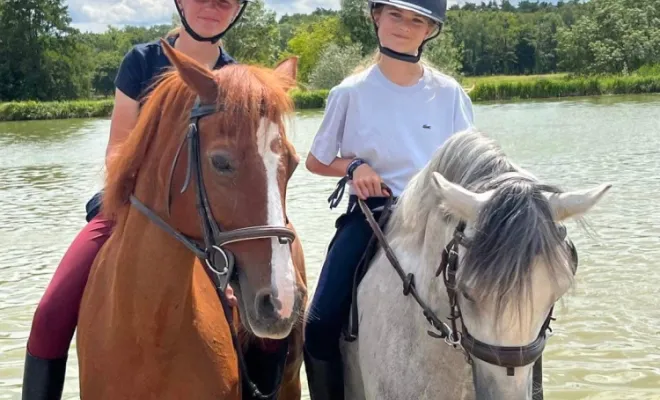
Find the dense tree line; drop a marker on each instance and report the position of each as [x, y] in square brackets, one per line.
[42, 57]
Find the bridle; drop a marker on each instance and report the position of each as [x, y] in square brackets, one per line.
[219, 263]
[509, 357]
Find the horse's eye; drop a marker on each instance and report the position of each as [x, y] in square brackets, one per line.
[467, 297]
[222, 163]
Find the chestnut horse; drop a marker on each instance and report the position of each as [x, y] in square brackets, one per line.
[198, 194]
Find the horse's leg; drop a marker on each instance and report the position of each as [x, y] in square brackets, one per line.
[353, 384]
[291, 386]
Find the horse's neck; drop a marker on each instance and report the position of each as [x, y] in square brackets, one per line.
[152, 274]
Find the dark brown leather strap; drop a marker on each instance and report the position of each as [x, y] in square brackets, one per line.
[408, 279]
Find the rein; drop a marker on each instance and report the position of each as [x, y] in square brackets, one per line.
[218, 262]
[409, 288]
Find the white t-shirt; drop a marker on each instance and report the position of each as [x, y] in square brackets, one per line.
[395, 129]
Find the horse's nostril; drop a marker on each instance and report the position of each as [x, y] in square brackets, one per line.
[277, 304]
[268, 305]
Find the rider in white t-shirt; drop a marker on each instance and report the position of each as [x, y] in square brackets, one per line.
[381, 125]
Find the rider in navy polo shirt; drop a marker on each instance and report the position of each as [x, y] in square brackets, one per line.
[54, 322]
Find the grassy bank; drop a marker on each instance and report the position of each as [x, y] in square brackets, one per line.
[490, 88]
[553, 86]
[33, 110]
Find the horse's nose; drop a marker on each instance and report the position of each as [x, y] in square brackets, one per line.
[268, 306]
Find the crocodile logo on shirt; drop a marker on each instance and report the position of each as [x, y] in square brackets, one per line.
[426, 126]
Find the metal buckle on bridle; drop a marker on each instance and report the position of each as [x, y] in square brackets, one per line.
[284, 240]
[212, 267]
[454, 339]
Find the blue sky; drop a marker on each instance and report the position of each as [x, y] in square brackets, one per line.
[96, 15]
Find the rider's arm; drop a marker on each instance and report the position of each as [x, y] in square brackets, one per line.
[336, 168]
[124, 117]
[322, 158]
[128, 83]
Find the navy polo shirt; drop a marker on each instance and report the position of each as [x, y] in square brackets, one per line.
[139, 69]
[144, 63]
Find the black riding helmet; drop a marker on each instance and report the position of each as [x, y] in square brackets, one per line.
[436, 10]
[217, 37]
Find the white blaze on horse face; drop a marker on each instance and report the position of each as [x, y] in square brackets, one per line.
[282, 275]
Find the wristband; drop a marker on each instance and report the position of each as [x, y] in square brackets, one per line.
[352, 166]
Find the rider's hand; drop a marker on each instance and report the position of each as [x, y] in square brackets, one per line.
[231, 298]
[367, 183]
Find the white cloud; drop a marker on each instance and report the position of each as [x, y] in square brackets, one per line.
[136, 12]
[95, 15]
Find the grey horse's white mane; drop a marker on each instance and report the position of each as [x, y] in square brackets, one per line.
[513, 228]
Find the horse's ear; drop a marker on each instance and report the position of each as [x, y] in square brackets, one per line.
[289, 70]
[198, 77]
[575, 203]
[460, 201]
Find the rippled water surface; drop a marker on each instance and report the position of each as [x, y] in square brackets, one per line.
[607, 341]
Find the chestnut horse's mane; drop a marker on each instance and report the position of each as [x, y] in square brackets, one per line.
[247, 93]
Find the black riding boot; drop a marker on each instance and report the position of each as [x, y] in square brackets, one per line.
[324, 378]
[43, 379]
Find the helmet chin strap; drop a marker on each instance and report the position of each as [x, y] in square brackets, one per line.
[414, 59]
[405, 56]
[212, 39]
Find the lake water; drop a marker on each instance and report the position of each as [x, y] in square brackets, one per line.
[607, 341]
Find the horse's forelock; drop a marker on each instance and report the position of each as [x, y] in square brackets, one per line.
[498, 265]
[514, 230]
[248, 94]
[162, 107]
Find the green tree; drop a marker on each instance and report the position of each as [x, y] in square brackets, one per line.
[357, 22]
[617, 35]
[310, 40]
[289, 23]
[335, 63]
[41, 56]
[443, 54]
[255, 39]
[546, 27]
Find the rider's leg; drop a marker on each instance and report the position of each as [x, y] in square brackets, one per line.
[55, 319]
[330, 307]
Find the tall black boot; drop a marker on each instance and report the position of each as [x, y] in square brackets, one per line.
[537, 379]
[43, 379]
[324, 378]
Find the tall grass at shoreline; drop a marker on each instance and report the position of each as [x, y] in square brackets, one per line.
[492, 88]
[550, 86]
[34, 110]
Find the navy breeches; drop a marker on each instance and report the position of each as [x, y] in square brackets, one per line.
[332, 298]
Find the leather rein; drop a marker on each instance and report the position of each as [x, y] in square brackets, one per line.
[219, 263]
